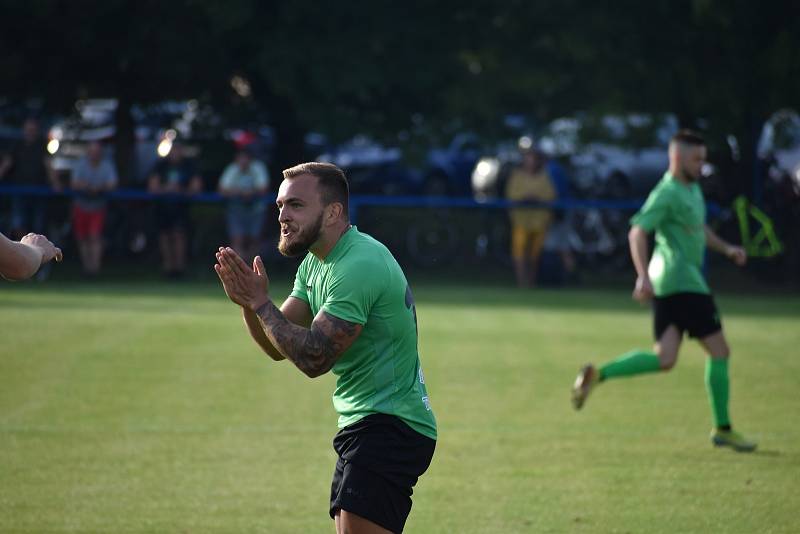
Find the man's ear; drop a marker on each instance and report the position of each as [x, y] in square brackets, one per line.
[334, 212]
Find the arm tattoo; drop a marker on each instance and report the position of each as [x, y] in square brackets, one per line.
[313, 350]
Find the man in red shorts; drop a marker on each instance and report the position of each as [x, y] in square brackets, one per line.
[93, 177]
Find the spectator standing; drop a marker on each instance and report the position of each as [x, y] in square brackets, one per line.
[93, 177]
[28, 164]
[530, 182]
[244, 184]
[174, 178]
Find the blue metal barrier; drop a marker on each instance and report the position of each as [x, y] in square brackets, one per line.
[357, 201]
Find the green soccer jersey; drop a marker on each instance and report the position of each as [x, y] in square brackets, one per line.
[677, 213]
[361, 282]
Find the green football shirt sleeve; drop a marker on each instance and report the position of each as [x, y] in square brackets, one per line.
[654, 211]
[299, 289]
[353, 290]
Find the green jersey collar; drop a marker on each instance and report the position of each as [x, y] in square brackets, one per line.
[339, 248]
[668, 176]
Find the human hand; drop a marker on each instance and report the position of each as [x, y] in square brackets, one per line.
[737, 255]
[249, 288]
[48, 249]
[643, 291]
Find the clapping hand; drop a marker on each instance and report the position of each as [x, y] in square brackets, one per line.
[247, 287]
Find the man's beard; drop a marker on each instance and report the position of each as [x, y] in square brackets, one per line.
[302, 240]
[689, 176]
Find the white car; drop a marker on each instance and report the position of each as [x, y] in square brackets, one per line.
[629, 149]
[157, 126]
[780, 141]
[617, 156]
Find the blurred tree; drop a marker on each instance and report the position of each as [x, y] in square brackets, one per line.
[384, 68]
[727, 64]
[137, 52]
[352, 67]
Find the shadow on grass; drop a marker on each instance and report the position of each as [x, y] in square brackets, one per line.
[108, 295]
[770, 453]
[56, 294]
[583, 300]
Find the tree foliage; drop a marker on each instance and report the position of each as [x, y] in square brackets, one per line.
[384, 67]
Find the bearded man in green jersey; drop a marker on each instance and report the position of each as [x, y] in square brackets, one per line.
[682, 301]
[352, 312]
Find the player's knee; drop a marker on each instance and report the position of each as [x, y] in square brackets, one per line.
[667, 359]
[667, 363]
[719, 352]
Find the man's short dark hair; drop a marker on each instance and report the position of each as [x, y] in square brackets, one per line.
[689, 138]
[332, 181]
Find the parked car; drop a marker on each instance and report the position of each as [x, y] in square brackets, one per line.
[617, 156]
[612, 156]
[372, 168]
[448, 170]
[156, 128]
[93, 120]
[779, 145]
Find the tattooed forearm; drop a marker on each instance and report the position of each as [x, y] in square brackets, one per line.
[313, 350]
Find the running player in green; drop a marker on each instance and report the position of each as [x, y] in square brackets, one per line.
[351, 311]
[682, 301]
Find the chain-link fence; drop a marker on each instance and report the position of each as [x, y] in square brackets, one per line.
[442, 236]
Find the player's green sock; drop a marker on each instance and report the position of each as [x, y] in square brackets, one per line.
[718, 389]
[635, 362]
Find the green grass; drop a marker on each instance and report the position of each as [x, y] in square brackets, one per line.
[145, 408]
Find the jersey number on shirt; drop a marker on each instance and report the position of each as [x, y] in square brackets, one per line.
[411, 306]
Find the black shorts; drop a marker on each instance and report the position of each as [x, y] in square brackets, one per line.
[380, 460]
[695, 313]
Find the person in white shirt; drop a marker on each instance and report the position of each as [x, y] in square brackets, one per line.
[244, 184]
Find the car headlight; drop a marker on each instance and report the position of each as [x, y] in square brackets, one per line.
[484, 176]
[165, 145]
[164, 148]
[52, 146]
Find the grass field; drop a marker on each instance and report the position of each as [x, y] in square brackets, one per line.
[145, 408]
